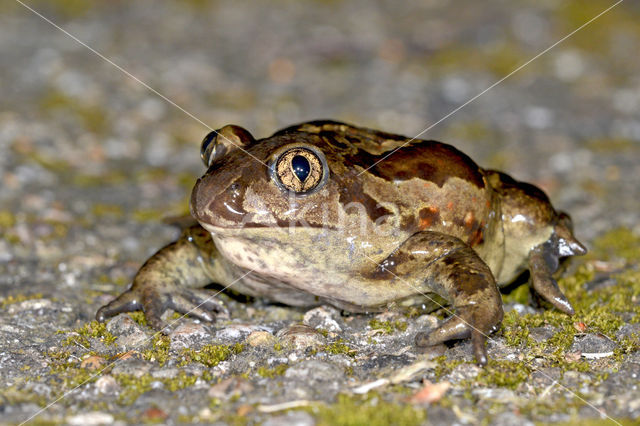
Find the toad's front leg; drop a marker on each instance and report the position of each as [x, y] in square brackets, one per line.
[171, 279]
[431, 262]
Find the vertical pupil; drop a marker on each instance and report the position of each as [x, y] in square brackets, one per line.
[301, 167]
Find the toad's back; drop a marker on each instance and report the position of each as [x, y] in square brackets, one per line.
[426, 185]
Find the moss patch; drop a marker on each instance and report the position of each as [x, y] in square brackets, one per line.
[371, 409]
[7, 219]
[619, 243]
[271, 373]
[102, 210]
[211, 355]
[134, 386]
[18, 298]
[339, 347]
[504, 374]
[159, 351]
[603, 310]
[67, 372]
[138, 316]
[388, 327]
[93, 117]
[92, 330]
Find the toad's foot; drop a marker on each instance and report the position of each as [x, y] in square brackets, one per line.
[467, 321]
[198, 303]
[543, 262]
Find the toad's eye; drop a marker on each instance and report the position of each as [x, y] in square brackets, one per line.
[300, 169]
[207, 148]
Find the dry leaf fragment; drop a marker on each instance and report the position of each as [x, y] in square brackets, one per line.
[430, 392]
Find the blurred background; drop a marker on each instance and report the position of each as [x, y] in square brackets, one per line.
[92, 160]
[83, 141]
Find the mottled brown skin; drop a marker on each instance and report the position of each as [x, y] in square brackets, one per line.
[426, 224]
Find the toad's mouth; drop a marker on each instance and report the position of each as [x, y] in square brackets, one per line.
[222, 226]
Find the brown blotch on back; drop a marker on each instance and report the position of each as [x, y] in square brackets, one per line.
[353, 191]
[427, 160]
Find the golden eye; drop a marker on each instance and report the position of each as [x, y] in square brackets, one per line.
[300, 170]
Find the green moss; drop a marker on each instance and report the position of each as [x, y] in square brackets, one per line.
[211, 355]
[160, 349]
[67, 372]
[370, 409]
[445, 366]
[505, 374]
[148, 215]
[133, 386]
[277, 346]
[499, 58]
[102, 180]
[93, 117]
[615, 244]
[15, 394]
[535, 407]
[7, 219]
[67, 9]
[96, 330]
[93, 330]
[598, 39]
[581, 421]
[18, 298]
[271, 373]
[339, 347]
[602, 310]
[104, 210]
[505, 57]
[388, 327]
[139, 317]
[76, 340]
[325, 333]
[519, 295]
[610, 145]
[470, 130]
[412, 312]
[57, 230]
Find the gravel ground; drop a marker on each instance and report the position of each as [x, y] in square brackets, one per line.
[93, 161]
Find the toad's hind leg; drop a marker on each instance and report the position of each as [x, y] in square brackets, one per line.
[447, 266]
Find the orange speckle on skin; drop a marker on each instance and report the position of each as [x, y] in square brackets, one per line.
[450, 205]
[468, 219]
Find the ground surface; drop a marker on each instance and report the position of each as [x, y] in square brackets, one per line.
[92, 161]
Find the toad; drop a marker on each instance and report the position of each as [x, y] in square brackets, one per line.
[328, 213]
